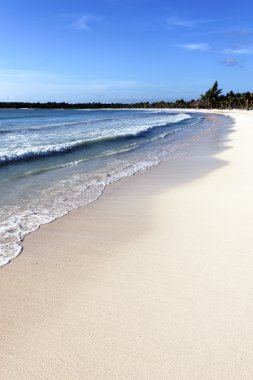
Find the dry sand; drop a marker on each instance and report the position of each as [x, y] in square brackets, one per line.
[152, 281]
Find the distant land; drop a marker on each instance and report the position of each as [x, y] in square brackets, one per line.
[212, 98]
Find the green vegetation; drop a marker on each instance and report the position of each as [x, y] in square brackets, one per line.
[212, 98]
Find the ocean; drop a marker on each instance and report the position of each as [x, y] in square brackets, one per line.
[54, 161]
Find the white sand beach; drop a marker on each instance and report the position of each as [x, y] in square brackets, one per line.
[154, 280]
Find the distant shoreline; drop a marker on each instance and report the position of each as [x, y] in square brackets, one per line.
[212, 99]
[54, 105]
[113, 106]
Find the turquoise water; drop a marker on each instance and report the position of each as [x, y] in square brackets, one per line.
[53, 161]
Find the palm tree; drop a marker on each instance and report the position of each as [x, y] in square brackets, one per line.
[238, 97]
[212, 95]
[230, 99]
[247, 98]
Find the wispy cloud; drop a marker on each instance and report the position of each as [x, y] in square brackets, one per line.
[186, 23]
[196, 46]
[104, 85]
[23, 75]
[30, 85]
[82, 23]
[238, 51]
[231, 62]
[31, 76]
[238, 33]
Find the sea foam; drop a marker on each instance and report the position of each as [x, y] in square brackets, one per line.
[57, 162]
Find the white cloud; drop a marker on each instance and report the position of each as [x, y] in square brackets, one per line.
[231, 62]
[239, 51]
[106, 85]
[196, 46]
[82, 23]
[22, 75]
[25, 85]
[186, 23]
[174, 21]
[48, 79]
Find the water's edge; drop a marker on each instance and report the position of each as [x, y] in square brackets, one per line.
[112, 179]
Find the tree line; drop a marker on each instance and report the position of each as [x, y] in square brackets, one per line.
[212, 98]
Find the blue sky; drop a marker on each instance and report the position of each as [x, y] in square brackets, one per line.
[131, 50]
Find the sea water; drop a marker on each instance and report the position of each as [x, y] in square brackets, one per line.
[54, 161]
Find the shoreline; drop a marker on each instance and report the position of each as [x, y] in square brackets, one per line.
[16, 247]
[153, 289]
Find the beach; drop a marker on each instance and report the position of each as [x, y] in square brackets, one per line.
[159, 281]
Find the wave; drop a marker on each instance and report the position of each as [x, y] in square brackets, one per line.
[53, 150]
[32, 173]
[43, 127]
[34, 128]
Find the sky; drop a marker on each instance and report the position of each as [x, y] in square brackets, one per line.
[123, 51]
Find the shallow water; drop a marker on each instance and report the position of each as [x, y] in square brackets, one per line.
[53, 161]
